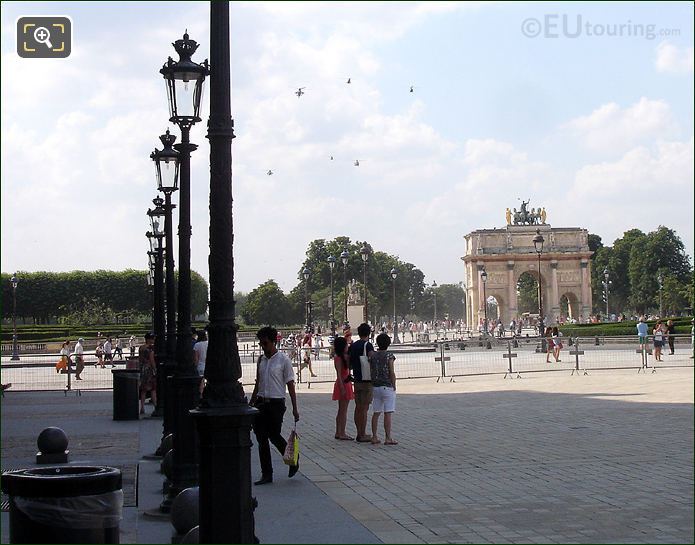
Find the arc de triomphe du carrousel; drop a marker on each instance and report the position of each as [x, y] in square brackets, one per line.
[507, 253]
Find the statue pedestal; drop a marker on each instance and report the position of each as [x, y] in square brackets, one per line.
[355, 315]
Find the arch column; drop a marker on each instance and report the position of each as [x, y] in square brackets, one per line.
[554, 295]
[584, 304]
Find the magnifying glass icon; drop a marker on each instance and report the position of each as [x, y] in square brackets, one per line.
[43, 36]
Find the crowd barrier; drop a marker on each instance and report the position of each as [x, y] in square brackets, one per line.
[442, 360]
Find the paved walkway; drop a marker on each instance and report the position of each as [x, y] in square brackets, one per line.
[550, 458]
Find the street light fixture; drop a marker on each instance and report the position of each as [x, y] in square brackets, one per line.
[394, 275]
[434, 293]
[15, 352]
[606, 286]
[364, 252]
[184, 82]
[660, 280]
[483, 277]
[344, 256]
[331, 263]
[157, 217]
[538, 241]
[307, 304]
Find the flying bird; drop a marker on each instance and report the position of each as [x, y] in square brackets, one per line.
[299, 92]
[348, 81]
[357, 162]
[270, 173]
[412, 88]
[331, 157]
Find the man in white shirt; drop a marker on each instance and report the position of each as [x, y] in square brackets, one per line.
[273, 372]
[78, 357]
[108, 356]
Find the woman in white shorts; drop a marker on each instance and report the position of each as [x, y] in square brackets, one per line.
[383, 388]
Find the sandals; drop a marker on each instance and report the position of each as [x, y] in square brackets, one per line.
[365, 439]
[391, 442]
[345, 438]
[376, 441]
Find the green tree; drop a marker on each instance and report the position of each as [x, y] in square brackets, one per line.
[267, 304]
[527, 294]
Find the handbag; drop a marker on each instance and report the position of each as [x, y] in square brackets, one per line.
[291, 455]
[364, 364]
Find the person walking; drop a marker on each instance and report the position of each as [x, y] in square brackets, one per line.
[557, 344]
[78, 356]
[363, 388]
[273, 373]
[148, 371]
[658, 333]
[671, 331]
[108, 355]
[342, 389]
[384, 389]
[64, 363]
[200, 352]
[132, 342]
[550, 348]
[99, 354]
[118, 348]
[642, 333]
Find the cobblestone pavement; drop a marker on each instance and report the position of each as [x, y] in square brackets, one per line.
[550, 458]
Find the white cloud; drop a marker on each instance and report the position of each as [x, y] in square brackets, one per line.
[612, 129]
[674, 60]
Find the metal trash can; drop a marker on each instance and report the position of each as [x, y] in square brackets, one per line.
[68, 504]
[126, 394]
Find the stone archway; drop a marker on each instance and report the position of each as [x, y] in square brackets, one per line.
[572, 300]
[506, 254]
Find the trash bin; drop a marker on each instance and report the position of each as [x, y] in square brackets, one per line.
[68, 504]
[126, 394]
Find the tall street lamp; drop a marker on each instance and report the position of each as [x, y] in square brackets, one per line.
[660, 280]
[606, 286]
[156, 237]
[307, 304]
[15, 352]
[483, 277]
[331, 264]
[224, 417]
[364, 252]
[394, 275]
[434, 293]
[538, 241]
[184, 79]
[344, 256]
[166, 164]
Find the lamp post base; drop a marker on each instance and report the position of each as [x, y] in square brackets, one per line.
[226, 504]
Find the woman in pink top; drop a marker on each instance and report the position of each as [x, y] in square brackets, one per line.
[342, 389]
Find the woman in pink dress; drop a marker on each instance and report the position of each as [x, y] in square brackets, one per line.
[342, 389]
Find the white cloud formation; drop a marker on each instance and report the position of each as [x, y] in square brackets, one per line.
[614, 129]
[673, 59]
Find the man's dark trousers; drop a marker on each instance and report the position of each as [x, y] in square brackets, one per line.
[268, 427]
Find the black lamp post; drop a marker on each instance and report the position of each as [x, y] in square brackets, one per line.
[483, 277]
[307, 304]
[364, 252]
[15, 352]
[606, 286]
[660, 280]
[331, 265]
[156, 236]
[394, 275]
[434, 293]
[224, 418]
[344, 256]
[184, 79]
[538, 241]
[166, 163]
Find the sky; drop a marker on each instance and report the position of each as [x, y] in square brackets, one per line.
[585, 109]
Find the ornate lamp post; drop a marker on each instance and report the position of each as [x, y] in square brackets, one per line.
[307, 304]
[224, 418]
[660, 280]
[364, 252]
[394, 275]
[184, 79]
[15, 352]
[331, 264]
[538, 241]
[344, 256]
[483, 277]
[606, 289]
[156, 236]
[166, 164]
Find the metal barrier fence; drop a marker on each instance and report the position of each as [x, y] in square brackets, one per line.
[444, 360]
